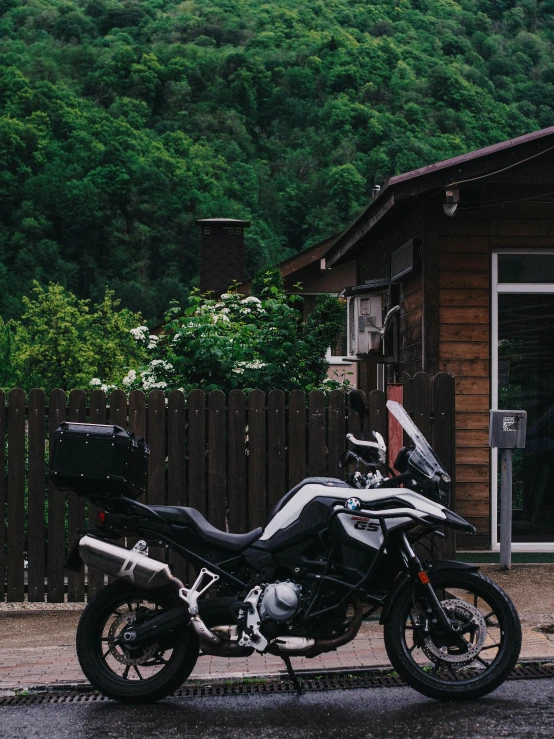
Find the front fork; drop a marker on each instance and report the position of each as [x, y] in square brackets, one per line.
[419, 574]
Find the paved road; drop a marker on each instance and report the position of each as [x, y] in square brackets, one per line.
[518, 709]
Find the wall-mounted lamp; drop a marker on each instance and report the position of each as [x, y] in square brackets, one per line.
[451, 200]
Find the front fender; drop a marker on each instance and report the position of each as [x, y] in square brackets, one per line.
[438, 565]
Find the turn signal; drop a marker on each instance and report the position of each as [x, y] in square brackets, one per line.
[423, 577]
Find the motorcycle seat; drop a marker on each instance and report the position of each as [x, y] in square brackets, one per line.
[184, 516]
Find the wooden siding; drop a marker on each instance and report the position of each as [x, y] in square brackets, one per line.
[465, 245]
[464, 350]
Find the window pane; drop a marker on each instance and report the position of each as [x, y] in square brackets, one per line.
[526, 268]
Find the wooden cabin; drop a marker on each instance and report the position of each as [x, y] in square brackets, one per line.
[465, 247]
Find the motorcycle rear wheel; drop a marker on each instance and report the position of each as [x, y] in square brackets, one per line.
[429, 663]
[144, 673]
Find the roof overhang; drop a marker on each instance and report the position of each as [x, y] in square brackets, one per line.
[402, 191]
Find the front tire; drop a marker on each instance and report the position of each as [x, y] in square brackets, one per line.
[432, 665]
[146, 672]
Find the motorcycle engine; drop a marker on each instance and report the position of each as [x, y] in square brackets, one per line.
[280, 601]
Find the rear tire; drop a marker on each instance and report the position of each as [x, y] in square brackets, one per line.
[100, 660]
[442, 680]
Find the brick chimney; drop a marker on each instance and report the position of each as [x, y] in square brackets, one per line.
[221, 253]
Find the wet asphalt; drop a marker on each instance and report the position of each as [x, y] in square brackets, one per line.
[519, 708]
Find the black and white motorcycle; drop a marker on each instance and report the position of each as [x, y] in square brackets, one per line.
[331, 554]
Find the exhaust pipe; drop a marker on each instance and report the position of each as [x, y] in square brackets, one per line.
[135, 566]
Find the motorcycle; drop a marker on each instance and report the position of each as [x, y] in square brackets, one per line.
[333, 552]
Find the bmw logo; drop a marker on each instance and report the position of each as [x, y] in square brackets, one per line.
[353, 504]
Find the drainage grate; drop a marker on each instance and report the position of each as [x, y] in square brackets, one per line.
[312, 682]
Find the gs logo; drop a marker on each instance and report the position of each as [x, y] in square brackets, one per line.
[364, 525]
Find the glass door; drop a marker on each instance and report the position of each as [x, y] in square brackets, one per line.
[523, 378]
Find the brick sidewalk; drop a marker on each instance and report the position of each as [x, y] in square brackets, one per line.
[27, 667]
[38, 646]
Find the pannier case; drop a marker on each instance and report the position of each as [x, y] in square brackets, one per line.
[99, 459]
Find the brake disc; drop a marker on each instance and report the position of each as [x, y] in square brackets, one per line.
[461, 614]
[122, 653]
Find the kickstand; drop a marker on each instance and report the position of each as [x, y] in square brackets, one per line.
[292, 674]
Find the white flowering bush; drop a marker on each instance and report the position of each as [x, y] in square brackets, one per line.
[259, 341]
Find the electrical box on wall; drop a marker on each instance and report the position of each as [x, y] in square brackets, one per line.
[365, 320]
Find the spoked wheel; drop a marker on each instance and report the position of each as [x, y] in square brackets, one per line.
[136, 672]
[467, 663]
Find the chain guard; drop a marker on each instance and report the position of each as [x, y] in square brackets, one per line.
[463, 613]
[122, 653]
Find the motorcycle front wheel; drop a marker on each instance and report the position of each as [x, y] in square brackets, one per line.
[469, 664]
[143, 672]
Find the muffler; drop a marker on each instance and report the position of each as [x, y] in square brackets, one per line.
[130, 564]
[136, 566]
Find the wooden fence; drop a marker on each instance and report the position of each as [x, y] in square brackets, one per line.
[231, 457]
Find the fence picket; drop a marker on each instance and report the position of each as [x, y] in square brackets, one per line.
[422, 403]
[75, 503]
[242, 452]
[217, 459]
[16, 494]
[56, 510]
[118, 408]
[257, 488]
[276, 447]
[297, 437]
[36, 550]
[336, 432]
[155, 492]
[444, 391]
[176, 452]
[316, 434]
[176, 471]
[237, 492]
[355, 423]
[97, 415]
[3, 482]
[197, 450]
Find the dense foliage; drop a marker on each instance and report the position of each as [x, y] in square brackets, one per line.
[122, 121]
[259, 341]
[61, 341]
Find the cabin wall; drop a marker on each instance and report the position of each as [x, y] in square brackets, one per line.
[464, 245]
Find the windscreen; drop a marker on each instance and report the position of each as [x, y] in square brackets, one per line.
[423, 457]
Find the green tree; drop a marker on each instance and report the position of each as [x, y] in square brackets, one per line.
[61, 341]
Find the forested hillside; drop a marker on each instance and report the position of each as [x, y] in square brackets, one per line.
[122, 122]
